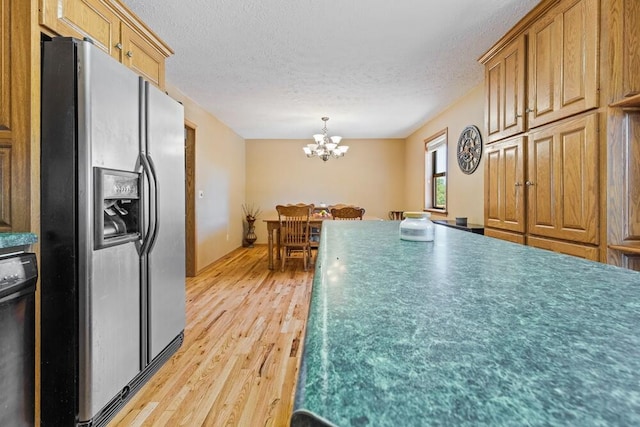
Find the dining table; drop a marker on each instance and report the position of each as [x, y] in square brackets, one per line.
[273, 225]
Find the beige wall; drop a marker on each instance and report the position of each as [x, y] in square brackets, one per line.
[465, 193]
[377, 174]
[220, 175]
[370, 175]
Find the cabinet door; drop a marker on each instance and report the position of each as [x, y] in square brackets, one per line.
[5, 71]
[140, 55]
[6, 122]
[562, 181]
[631, 47]
[504, 185]
[505, 91]
[83, 18]
[563, 62]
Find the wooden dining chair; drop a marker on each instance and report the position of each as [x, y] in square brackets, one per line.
[294, 232]
[347, 212]
[396, 215]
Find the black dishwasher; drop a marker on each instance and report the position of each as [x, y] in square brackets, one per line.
[18, 276]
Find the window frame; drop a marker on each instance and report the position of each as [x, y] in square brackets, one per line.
[431, 147]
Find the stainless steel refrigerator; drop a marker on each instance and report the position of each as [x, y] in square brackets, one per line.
[112, 233]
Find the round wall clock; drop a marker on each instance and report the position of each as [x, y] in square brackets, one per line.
[469, 149]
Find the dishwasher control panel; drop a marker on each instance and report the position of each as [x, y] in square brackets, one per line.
[17, 271]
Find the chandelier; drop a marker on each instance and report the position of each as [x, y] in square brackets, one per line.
[325, 147]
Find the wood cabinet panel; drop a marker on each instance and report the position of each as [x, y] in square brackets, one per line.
[505, 91]
[139, 55]
[562, 181]
[631, 262]
[493, 86]
[83, 18]
[505, 235]
[5, 188]
[573, 249]
[513, 112]
[631, 186]
[540, 182]
[5, 70]
[504, 185]
[541, 70]
[631, 48]
[563, 62]
[492, 178]
[574, 37]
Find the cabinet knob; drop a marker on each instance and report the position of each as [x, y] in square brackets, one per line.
[129, 54]
[118, 46]
[528, 110]
[518, 184]
[529, 183]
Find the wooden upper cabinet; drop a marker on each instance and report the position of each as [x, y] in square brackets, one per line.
[562, 180]
[504, 203]
[505, 91]
[83, 18]
[563, 62]
[113, 28]
[140, 56]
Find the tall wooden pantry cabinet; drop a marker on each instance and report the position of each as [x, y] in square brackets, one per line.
[563, 126]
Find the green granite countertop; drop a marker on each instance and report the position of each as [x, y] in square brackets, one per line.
[10, 240]
[466, 330]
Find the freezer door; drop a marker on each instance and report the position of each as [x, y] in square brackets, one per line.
[166, 269]
[109, 294]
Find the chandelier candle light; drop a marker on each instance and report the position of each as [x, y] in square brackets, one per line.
[325, 147]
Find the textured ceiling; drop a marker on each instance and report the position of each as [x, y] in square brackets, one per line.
[377, 68]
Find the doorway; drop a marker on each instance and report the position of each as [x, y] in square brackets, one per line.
[190, 198]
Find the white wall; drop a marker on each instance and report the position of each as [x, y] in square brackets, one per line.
[220, 175]
[370, 175]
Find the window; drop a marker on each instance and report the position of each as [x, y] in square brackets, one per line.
[435, 172]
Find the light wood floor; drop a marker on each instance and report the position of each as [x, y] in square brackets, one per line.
[239, 362]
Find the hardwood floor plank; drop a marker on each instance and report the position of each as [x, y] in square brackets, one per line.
[240, 358]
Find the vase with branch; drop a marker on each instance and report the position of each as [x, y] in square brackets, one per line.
[251, 212]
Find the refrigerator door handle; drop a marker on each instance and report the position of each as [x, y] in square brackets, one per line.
[154, 203]
[153, 214]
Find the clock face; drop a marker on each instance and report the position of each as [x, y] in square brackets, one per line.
[469, 149]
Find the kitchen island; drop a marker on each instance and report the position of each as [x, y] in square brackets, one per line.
[465, 330]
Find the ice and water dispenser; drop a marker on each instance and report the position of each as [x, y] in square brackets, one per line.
[117, 207]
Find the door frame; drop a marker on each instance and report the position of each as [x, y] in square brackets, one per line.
[191, 264]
